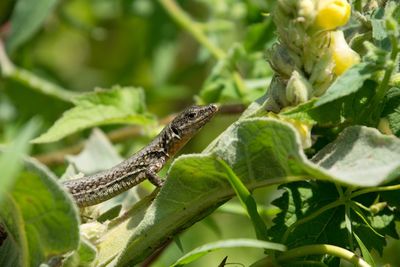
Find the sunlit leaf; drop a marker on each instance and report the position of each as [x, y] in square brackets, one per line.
[115, 106]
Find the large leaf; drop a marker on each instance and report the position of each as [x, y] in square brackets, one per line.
[348, 109]
[117, 105]
[299, 200]
[11, 156]
[348, 83]
[261, 152]
[26, 20]
[39, 217]
[361, 156]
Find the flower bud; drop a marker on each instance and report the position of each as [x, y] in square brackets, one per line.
[277, 93]
[378, 207]
[306, 11]
[322, 74]
[332, 14]
[343, 56]
[283, 61]
[298, 89]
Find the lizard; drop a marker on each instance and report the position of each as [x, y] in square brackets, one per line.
[145, 164]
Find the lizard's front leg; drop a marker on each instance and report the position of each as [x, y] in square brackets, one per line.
[154, 178]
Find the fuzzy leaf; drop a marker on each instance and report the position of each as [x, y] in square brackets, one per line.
[39, 217]
[350, 82]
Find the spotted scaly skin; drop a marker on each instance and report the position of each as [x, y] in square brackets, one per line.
[145, 164]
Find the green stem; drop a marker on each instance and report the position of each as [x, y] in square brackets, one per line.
[196, 30]
[310, 217]
[384, 85]
[10, 71]
[375, 189]
[192, 27]
[323, 249]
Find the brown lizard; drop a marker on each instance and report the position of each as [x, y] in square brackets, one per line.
[99, 187]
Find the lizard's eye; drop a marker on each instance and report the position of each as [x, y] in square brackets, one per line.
[192, 115]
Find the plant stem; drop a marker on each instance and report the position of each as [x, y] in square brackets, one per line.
[197, 32]
[10, 71]
[323, 249]
[375, 189]
[192, 27]
[391, 65]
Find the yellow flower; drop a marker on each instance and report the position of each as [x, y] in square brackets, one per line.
[343, 56]
[332, 14]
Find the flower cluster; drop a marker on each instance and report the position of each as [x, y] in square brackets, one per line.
[311, 52]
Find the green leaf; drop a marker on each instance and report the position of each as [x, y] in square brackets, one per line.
[365, 252]
[361, 156]
[231, 243]
[373, 229]
[247, 201]
[301, 199]
[40, 219]
[311, 213]
[26, 20]
[349, 82]
[348, 109]
[117, 105]
[11, 156]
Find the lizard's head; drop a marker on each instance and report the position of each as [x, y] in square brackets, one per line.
[189, 121]
[187, 124]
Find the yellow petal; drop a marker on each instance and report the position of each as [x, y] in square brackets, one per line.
[343, 56]
[332, 14]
